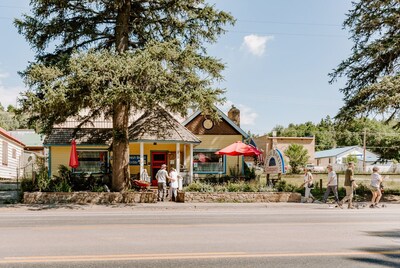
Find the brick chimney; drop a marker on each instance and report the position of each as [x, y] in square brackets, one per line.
[234, 115]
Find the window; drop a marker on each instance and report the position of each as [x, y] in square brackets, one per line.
[208, 162]
[92, 161]
[14, 153]
[5, 154]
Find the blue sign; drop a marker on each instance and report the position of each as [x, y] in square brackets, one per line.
[134, 160]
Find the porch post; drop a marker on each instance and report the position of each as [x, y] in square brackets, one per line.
[178, 158]
[141, 159]
[191, 164]
[184, 156]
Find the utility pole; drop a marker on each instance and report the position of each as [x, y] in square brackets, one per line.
[364, 149]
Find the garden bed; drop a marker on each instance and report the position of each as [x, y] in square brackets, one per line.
[238, 197]
[88, 197]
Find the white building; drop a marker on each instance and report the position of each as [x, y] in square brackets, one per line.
[11, 155]
[337, 158]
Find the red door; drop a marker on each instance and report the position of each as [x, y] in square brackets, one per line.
[157, 159]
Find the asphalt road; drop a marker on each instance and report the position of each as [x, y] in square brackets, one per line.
[202, 235]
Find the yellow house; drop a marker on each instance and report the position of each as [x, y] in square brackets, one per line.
[215, 136]
[155, 138]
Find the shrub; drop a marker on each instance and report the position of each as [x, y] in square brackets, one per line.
[199, 187]
[249, 173]
[27, 185]
[220, 188]
[234, 187]
[283, 186]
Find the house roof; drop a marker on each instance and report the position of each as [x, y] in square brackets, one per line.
[333, 152]
[156, 125]
[369, 156]
[159, 125]
[28, 136]
[221, 114]
[83, 136]
[4, 133]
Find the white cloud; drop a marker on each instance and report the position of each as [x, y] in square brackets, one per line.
[247, 115]
[255, 44]
[8, 94]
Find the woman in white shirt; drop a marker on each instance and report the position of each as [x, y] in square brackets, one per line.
[308, 185]
[375, 186]
[173, 185]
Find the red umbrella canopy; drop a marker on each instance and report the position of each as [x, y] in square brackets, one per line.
[239, 148]
[73, 157]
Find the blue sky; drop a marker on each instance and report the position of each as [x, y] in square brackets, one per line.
[278, 56]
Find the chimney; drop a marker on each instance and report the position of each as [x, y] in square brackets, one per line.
[234, 115]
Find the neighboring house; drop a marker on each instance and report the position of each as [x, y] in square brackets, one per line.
[215, 136]
[11, 154]
[33, 141]
[155, 138]
[267, 143]
[337, 157]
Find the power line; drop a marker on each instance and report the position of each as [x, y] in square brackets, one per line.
[290, 23]
[289, 34]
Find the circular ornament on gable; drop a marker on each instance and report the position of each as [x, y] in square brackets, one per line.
[208, 124]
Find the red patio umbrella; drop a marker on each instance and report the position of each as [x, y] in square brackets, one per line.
[73, 157]
[239, 148]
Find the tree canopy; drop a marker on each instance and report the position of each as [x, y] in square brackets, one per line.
[298, 157]
[380, 136]
[372, 70]
[119, 56]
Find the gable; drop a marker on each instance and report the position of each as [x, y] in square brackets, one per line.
[222, 127]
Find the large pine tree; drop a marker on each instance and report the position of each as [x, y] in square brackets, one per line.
[116, 56]
[372, 70]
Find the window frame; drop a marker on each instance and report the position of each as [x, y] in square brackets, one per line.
[4, 159]
[209, 172]
[107, 164]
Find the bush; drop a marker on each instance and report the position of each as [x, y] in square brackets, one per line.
[283, 186]
[27, 185]
[249, 173]
[199, 187]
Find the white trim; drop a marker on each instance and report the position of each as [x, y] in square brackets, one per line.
[191, 164]
[178, 158]
[141, 161]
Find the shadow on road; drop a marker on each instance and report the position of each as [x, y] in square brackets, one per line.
[383, 256]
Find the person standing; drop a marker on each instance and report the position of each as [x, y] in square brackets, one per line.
[308, 185]
[173, 186]
[162, 176]
[376, 180]
[349, 185]
[331, 186]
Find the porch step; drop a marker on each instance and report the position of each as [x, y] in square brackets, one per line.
[9, 192]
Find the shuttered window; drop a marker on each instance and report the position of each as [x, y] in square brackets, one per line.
[5, 154]
[14, 153]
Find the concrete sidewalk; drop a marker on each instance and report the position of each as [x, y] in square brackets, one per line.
[172, 206]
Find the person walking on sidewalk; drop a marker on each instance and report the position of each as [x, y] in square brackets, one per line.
[162, 176]
[331, 186]
[308, 185]
[349, 185]
[376, 180]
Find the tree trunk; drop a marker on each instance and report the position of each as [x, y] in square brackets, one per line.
[121, 109]
[120, 147]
